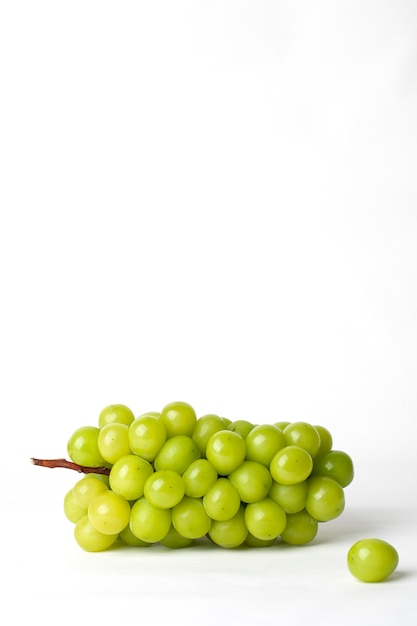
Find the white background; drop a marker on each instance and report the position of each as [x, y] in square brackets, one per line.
[213, 202]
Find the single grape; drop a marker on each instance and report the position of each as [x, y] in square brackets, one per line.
[177, 454]
[226, 451]
[83, 448]
[326, 440]
[148, 522]
[164, 489]
[230, 533]
[222, 501]
[325, 498]
[263, 442]
[129, 475]
[205, 427]
[90, 539]
[131, 540]
[179, 418]
[115, 413]
[199, 476]
[255, 542]
[86, 489]
[301, 528]
[291, 465]
[109, 513]
[372, 560]
[242, 427]
[304, 436]
[252, 481]
[190, 519]
[335, 464]
[281, 425]
[291, 498]
[147, 435]
[73, 511]
[265, 519]
[174, 540]
[113, 441]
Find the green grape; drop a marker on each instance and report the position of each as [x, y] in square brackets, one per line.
[255, 542]
[179, 418]
[335, 464]
[83, 449]
[304, 436]
[230, 533]
[226, 451]
[325, 498]
[199, 476]
[291, 465]
[148, 522]
[263, 442]
[222, 500]
[252, 481]
[177, 454]
[73, 511]
[129, 475]
[190, 519]
[109, 513]
[300, 529]
[131, 540]
[86, 489]
[291, 498]
[326, 440]
[265, 519]
[113, 441]
[147, 435]
[281, 425]
[164, 489]
[90, 539]
[242, 427]
[226, 421]
[174, 540]
[205, 427]
[372, 560]
[115, 413]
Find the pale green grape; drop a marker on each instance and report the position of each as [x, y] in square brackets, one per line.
[177, 454]
[86, 489]
[90, 539]
[281, 425]
[291, 465]
[73, 511]
[265, 519]
[164, 489]
[190, 519]
[83, 448]
[222, 500]
[147, 435]
[129, 475]
[179, 418]
[291, 498]
[301, 528]
[263, 442]
[242, 427]
[372, 560]
[325, 498]
[326, 440]
[148, 522]
[226, 451]
[199, 476]
[335, 464]
[174, 540]
[230, 533]
[131, 540]
[205, 427]
[252, 481]
[304, 436]
[115, 413]
[109, 513]
[255, 542]
[113, 441]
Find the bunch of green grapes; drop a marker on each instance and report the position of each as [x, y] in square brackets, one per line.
[171, 478]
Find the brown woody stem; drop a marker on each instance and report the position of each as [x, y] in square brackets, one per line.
[70, 465]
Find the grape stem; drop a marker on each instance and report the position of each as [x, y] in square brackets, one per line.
[70, 465]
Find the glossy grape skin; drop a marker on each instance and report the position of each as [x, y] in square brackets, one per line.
[164, 489]
[115, 413]
[372, 560]
[148, 522]
[242, 427]
[326, 440]
[291, 498]
[73, 511]
[83, 448]
[255, 542]
[263, 442]
[265, 519]
[177, 454]
[205, 427]
[131, 540]
[90, 539]
[303, 435]
[86, 489]
[199, 476]
[222, 501]
[252, 481]
[128, 476]
[179, 418]
[113, 441]
[147, 435]
[190, 519]
[174, 540]
[325, 498]
[291, 465]
[335, 464]
[109, 513]
[226, 451]
[230, 533]
[301, 528]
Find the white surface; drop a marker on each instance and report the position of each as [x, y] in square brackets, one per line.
[214, 202]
